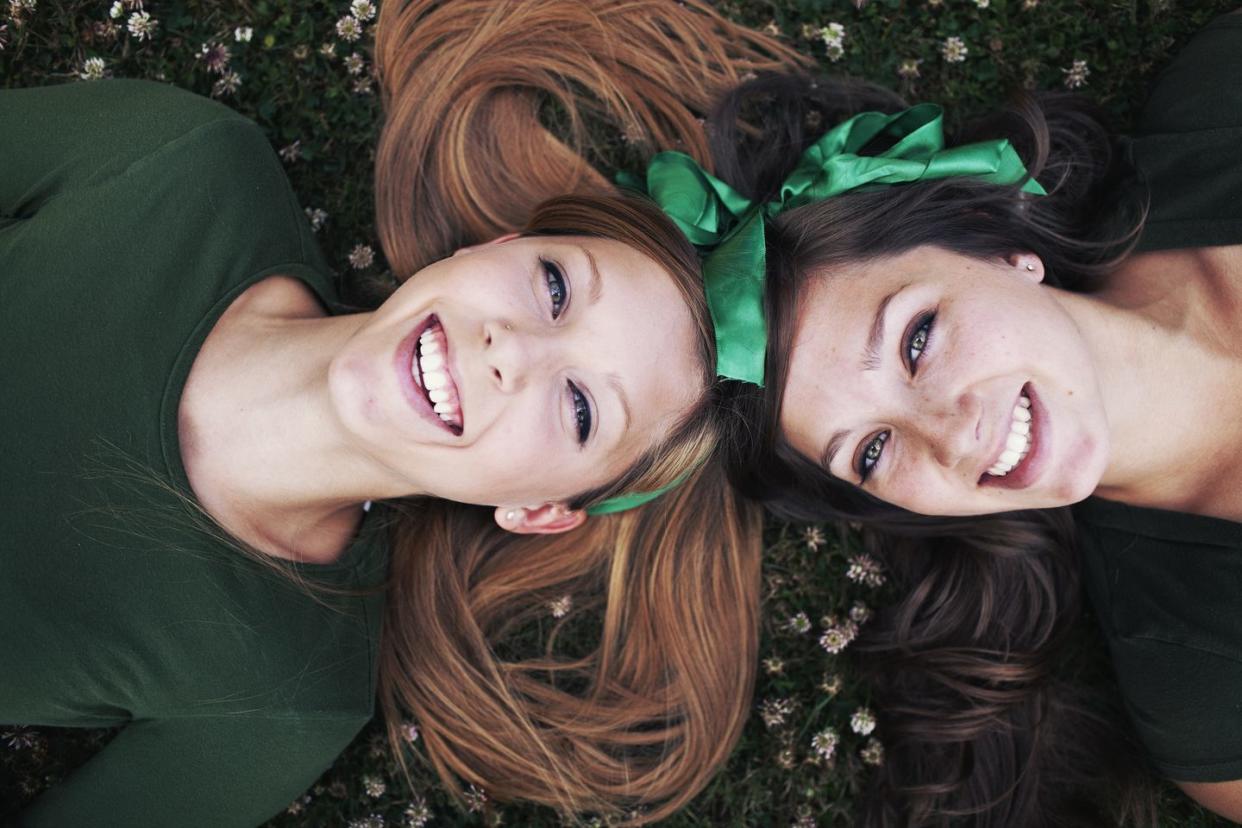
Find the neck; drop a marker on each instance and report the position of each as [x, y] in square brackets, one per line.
[262, 423]
[1160, 384]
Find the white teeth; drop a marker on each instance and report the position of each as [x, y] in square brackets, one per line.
[432, 374]
[1017, 442]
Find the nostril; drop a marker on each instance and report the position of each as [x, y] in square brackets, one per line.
[497, 375]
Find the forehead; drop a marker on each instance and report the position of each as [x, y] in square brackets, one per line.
[642, 333]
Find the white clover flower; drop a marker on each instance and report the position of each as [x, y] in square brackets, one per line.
[825, 743]
[831, 685]
[117, 11]
[362, 9]
[1076, 75]
[373, 786]
[798, 623]
[832, 33]
[814, 538]
[982, 4]
[328, 50]
[4, 35]
[476, 799]
[909, 68]
[863, 721]
[372, 821]
[1027, 5]
[363, 86]
[354, 64]
[954, 50]
[291, 152]
[361, 257]
[774, 712]
[560, 607]
[243, 34]
[317, 216]
[837, 634]
[348, 29]
[227, 85]
[92, 69]
[142, 25]
[872, 753]
[866, 570]
[215, 56]
[808, 31]
[417, 814]
[774, 666]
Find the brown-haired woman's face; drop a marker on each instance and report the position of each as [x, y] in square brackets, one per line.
[945, 385]
[520, 372]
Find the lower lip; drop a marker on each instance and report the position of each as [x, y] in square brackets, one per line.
[1030, 467]
[414, 395]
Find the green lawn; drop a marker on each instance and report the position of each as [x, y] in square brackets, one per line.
[290, 66]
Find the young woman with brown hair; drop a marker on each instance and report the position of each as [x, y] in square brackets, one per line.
[211, 468]
[926, 379]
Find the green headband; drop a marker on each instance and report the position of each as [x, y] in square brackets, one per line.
[728, 227]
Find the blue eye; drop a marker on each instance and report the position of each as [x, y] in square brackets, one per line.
[871, 452]
[917, 338]
[582, 413]
[558, 290]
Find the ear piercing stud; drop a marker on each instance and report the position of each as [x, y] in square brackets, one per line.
[1030, 267]
[511, 516]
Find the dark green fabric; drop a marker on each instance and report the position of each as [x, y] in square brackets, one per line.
[1167, 586]
[131, 214]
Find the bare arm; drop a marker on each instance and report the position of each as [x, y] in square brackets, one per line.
[1223, 798]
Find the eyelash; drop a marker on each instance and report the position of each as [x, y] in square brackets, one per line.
[582, 413]
[558, 292]
[558, 288]
[873, 449]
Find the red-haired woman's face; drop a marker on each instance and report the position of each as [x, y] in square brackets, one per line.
[946, 385]
[520, 372]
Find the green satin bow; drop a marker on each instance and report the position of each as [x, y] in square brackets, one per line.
[718, 219]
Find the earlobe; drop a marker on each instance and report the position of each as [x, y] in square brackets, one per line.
[498, 240]
[548, 519]
[1028, 265]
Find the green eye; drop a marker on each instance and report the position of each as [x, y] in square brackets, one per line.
[871, 453]
[916, 341]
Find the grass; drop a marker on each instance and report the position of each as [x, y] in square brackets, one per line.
[310, 88]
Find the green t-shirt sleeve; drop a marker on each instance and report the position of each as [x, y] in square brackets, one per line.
[213, 772]
[57, 139]
[1188, 145]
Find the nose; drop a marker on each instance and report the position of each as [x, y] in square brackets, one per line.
[948, 428]
[512, 354]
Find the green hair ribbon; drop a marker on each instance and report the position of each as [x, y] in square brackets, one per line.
[728, 227]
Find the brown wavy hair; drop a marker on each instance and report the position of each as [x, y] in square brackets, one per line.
[644, 717]
[467, 86]
[989, 719]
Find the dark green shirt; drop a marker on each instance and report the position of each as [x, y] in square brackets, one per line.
[1167, 586]
[131, 215]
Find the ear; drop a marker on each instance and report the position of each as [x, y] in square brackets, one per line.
[1028, 266]
[548, 519]
[498, 240]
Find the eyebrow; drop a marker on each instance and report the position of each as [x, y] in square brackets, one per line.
[596, 289]
[870, 362]
[875, 338]
[830, 450]
[614, 382]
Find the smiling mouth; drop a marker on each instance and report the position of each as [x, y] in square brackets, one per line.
[429, 368]
[1017, 441]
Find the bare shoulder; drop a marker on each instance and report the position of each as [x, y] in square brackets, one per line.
[1224, 798]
